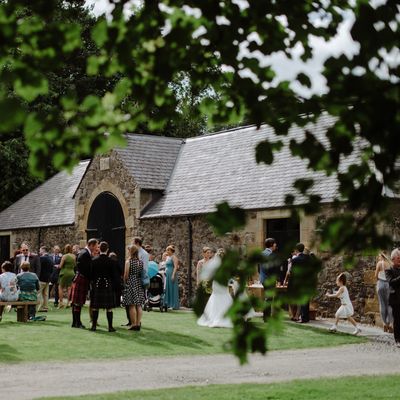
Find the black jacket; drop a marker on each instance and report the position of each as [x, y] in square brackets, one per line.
[393, 277]
[104, 267]
[84, 263]
[46, 263]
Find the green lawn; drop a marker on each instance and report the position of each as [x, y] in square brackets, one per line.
[355, 388]
[162, 334]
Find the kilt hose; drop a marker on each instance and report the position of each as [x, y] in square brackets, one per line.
[79, 290]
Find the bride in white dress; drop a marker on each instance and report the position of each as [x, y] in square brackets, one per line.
[220, 300]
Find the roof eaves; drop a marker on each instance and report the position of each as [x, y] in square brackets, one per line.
[83, 175]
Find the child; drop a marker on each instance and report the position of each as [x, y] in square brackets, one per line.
[345, 311]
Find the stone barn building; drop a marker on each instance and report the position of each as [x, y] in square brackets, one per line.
[162, 188]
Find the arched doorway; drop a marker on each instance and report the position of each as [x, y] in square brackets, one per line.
[106, 222]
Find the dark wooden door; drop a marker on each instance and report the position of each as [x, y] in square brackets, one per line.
[106, 222]
[4, 248]
[286, 232]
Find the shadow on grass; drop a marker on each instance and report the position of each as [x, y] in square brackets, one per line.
[9, 353]
[155, 338]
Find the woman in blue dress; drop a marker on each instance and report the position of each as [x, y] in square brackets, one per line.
[171, 298]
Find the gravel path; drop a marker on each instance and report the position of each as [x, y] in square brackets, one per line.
[77, 378]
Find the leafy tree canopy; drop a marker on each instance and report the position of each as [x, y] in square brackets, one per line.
[217, 46]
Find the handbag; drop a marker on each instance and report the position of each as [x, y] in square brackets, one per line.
[145, 278]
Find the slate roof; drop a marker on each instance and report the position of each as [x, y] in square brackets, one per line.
[150, 159]
[214, 168]
[50, 204]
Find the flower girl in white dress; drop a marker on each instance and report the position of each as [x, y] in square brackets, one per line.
[346, 310]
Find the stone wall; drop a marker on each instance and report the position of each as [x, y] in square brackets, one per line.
[47, 236]
[164, 231]
[361, 286]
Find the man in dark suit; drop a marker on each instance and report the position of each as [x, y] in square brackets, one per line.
[298, 262]
[26, 255]
[80, 285]
[268, 270]
[46, 264]
[56, 258]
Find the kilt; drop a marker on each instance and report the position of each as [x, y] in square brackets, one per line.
[79, 290]
[102, 294]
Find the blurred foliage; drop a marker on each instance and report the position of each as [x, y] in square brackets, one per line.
[212, 50]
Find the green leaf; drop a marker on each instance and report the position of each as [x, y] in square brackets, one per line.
[30, 84]
[265, 150]
[226, 219]
[304, 80]
[303, 185]
[100, 32]
[33, 125]
[12, 114]
[72, 33]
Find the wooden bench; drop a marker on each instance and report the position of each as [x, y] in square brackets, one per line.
[22, 308]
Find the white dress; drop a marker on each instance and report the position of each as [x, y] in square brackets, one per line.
[218, 303]
[217, 306]
[346, 309]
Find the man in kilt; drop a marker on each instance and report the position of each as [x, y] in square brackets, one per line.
[80, 285]
[105, 275]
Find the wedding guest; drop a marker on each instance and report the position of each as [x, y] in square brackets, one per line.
[26, 255]
[134, 292]
[383, 290]
[28, 284]
[46, 264]
[76, 249]
[66, 276]
[8, 285]
[118, 281]
[102, 283]
[268, 270]
[171, 298]
[152, 263]
[299, 261]
[346, 310]
[163, 261]
[80, 285]
[56, 257]
[207, 254]
[14, 256]
[142, 253]
[393, 277]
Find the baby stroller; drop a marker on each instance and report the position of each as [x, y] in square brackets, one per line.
[155, 293]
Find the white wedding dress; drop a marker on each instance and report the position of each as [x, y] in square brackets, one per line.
[218, 303]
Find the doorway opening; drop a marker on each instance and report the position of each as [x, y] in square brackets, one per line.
[106, 222]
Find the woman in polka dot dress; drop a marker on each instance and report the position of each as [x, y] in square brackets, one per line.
[134, 296]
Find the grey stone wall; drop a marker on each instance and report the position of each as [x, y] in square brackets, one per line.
[361, 286]
[48, 236]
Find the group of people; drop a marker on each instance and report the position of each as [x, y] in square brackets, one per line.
[92, 272]
[95, 271]
[387, 274]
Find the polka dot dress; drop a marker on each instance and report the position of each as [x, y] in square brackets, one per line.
[134, 292]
